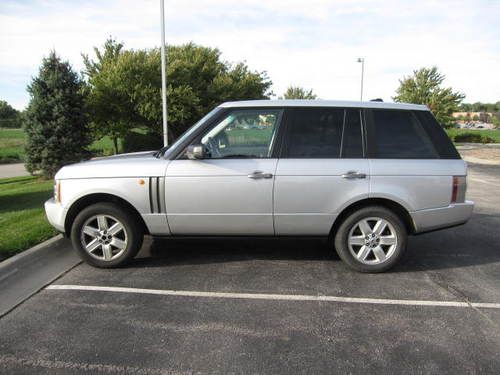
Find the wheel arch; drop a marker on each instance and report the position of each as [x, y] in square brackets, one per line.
[93, 198]
[392, 205]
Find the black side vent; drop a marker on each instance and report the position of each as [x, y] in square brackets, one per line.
[157, 195]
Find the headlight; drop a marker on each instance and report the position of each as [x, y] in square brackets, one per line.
[57, 191]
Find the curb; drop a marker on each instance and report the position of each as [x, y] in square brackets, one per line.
[26, 273]
[15, 258]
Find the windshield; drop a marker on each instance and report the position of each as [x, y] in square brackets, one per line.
[187, 133]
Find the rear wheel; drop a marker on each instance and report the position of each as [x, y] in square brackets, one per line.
[372, 239]
[106, 235]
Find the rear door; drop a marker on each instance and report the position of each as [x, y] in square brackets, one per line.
[320, 171]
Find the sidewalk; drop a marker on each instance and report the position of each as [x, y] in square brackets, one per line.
[12, 170]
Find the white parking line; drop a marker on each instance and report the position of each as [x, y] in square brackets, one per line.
[275, 297]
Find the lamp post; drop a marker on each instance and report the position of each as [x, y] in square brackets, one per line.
[163, 75]
[362, 61]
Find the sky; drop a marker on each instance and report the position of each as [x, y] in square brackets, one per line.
[310, 43]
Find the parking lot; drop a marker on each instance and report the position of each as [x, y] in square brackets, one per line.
[274, 306]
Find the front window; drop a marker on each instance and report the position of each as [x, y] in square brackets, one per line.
[245, 133]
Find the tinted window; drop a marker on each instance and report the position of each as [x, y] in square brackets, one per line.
[315, 133]
[436, 133]
[244, 133]
[398, 135]
[352, 141]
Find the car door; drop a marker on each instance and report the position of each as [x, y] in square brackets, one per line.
[230, 190]
[321, 170]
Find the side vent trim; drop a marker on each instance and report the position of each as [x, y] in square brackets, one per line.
[157, 195]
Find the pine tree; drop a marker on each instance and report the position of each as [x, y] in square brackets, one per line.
[55, 121]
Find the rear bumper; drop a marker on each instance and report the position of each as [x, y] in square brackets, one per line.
[55, 214]
[443, 217]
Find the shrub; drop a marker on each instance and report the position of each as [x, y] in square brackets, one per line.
[137, 141]
[473, 138]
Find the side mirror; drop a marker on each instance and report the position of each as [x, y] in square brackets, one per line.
[194, 152]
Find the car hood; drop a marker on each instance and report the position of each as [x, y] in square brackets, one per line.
[137, 164]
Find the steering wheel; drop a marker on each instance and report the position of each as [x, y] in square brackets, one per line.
[213, 148]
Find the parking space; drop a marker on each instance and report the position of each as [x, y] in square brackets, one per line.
[274, 306]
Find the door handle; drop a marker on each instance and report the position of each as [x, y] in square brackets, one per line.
[259, 174]
[351, 175]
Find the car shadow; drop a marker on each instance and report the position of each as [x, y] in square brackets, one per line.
[473, 244]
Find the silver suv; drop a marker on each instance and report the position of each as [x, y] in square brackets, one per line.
[364, 175]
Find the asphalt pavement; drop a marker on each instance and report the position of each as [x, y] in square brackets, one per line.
[273, 306]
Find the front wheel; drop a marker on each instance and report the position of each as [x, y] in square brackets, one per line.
[372, 239]
[106, 235]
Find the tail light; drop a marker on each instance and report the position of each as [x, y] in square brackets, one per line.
[458, 188]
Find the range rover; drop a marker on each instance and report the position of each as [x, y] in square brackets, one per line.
[365, 175]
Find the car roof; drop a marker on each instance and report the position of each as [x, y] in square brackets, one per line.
[322, 103]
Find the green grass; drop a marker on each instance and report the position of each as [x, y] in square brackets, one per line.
[22, 216]
[11, 145]
[494, 134]
[104, 147]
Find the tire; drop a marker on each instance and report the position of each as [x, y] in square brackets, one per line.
[363, 234]
[102, 243]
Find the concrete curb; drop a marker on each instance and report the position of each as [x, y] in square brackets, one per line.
[26, 273]
[18, 257]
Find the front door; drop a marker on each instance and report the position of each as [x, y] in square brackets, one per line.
[230, 190]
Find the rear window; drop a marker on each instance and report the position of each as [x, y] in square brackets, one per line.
[395, 134]
[440, 139]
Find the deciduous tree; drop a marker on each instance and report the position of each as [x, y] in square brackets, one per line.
[425, 87]
[296, 92]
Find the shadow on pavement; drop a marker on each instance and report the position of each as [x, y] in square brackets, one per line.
[475, 243]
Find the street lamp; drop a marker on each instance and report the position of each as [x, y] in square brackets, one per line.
[163, 74]
[362, 61]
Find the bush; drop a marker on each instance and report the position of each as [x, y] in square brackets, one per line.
[139, 141]
[472, 138]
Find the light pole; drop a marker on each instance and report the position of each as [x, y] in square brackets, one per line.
[362, 61]
[163, 74]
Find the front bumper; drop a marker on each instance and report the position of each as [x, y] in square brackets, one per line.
[443, 217]
[55, 214]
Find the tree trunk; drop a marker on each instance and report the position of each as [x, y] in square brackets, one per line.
[115, 144]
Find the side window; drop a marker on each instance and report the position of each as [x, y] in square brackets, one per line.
[245, 133]
[352, 140]
[398, 134]
[314, 133]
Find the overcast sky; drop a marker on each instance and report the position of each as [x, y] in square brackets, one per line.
[311, 43]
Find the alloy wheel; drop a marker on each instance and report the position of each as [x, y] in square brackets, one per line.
[104, 237]
[372, 240]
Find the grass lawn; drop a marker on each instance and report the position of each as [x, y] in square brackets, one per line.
[495, 134]
[22, 217]
[11, 145]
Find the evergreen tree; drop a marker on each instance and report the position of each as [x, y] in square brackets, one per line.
[55, 121]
